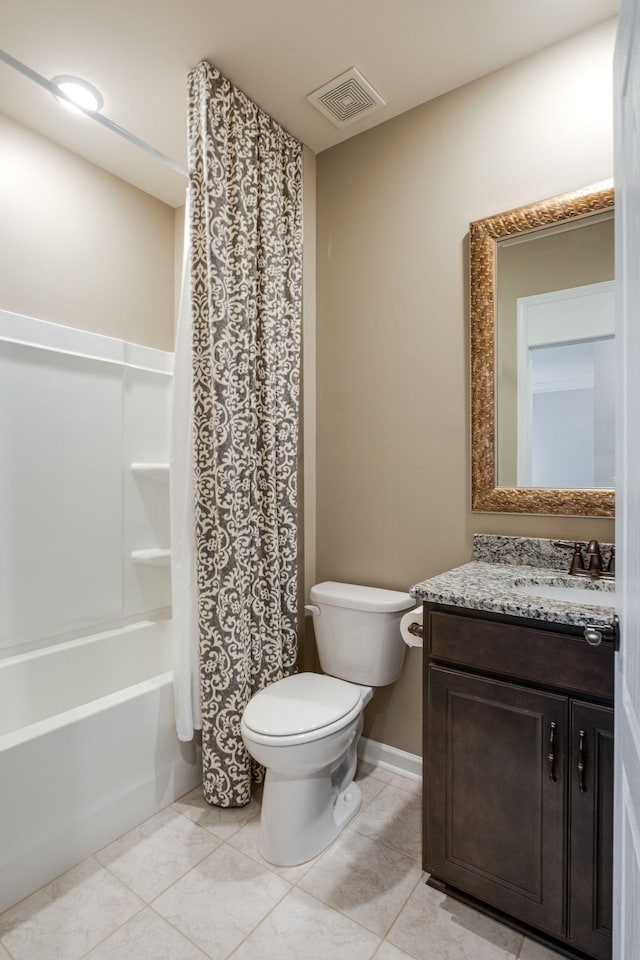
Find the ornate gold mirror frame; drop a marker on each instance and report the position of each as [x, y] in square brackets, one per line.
[484, 235]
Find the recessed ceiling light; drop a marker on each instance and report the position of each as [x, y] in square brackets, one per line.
[82, 93]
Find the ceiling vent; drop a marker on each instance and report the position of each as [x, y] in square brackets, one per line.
[346, 98]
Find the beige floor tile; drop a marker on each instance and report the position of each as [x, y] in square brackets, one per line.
[535, 951]
[388, 952]
[220, 901]
[394, 817]
[370, 769]
[69, 916]
[146, 937]
[246, 840]
[364, 879]
[406, 783]
[155, 854]
[3, 953]
[221, 821]
[303, 927]
[370, 786]
[433, 925]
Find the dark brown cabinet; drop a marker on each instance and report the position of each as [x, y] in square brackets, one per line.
[591, 818]
[519, 774]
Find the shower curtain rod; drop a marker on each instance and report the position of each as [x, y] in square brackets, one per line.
[104, 121]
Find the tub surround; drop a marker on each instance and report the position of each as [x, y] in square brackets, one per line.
[79, 772]
[502, 564]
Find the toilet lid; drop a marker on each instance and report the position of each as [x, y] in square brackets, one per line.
[299, 704]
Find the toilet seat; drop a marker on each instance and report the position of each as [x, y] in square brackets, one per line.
[301, 708]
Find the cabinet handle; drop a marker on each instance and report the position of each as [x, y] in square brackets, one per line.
[552, 752]
[581, 784]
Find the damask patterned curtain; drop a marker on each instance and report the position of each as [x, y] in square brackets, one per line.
[246, 277]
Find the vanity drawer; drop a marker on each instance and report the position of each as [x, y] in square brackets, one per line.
[538, 655]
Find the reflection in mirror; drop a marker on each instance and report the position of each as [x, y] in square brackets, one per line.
[542, 329]
[554, 349]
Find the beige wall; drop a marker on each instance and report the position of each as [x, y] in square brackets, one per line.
[178, 240]
[394, 205]
[81, 247]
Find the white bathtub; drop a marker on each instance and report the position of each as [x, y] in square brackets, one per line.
[87, 749]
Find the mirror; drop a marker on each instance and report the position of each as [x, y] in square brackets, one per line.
[542, 357]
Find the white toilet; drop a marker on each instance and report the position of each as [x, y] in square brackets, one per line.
[305, 729]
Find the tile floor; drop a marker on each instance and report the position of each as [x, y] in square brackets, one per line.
[189, 884]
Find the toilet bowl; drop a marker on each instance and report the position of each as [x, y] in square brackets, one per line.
[305, 729]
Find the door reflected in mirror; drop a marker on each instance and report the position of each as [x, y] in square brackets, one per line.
[566, 435]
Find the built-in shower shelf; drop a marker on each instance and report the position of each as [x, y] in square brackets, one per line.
[152, 471]
[155, 555]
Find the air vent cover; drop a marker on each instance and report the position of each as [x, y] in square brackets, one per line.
[346, 98]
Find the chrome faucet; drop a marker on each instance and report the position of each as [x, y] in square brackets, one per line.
[592, 555]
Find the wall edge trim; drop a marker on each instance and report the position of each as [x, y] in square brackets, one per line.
[390, 758]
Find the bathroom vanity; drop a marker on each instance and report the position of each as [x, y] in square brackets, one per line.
[518, 740]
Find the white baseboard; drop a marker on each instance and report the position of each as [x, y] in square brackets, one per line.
[390, 758]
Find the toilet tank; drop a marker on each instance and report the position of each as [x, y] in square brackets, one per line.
[358, 631]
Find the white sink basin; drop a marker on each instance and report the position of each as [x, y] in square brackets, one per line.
[547, 591]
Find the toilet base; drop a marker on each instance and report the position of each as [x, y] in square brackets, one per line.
[300, 818]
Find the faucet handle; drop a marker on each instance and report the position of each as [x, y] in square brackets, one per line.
[577, 560]
[611, 566]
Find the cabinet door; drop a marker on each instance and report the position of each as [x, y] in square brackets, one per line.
[591, 835]
[496, 791]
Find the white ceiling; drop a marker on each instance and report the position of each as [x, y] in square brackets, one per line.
[138, 54]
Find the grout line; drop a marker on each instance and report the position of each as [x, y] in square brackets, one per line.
[359, 923]
[390, 846]
[167, 807]
[115, 930]
[182, 876]
[310, 864]
[403, 950]
[6, 948]
[413, 890]
[209, 829]
[271, 867]
[377, 950]
[184, 935]
[374, 773]
[225, 842]
[42, 887]
[262, 919]
[174, 881]
[349, 916]
[411, 790]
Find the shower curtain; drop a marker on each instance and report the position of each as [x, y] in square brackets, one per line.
[245, 263]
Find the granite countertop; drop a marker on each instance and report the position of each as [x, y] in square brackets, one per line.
[503, 564]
